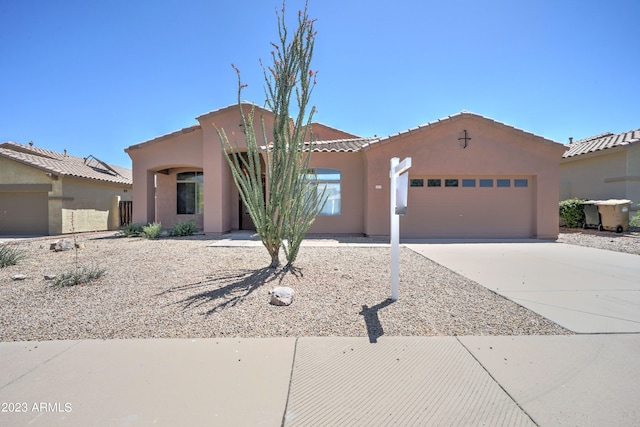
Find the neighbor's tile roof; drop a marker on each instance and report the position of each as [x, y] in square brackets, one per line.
[602, 142]
[64, 164]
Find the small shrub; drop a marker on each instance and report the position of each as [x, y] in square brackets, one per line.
[131, 230]
[184, 228]
[571, 212]
[634, 221]
[152, 231]
[78, 276]
[10, 255]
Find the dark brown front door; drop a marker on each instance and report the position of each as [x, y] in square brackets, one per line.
[246, 223]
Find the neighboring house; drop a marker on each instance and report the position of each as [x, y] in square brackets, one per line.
[604, 166]
[46, 192]
[471, 177]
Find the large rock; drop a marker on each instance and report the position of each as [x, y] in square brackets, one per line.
[62, 245]
[282, 295]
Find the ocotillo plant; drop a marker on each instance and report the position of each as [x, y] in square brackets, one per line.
[293, 198]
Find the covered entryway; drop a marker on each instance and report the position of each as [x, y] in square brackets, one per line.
[24, 213]
[470, 207]
[244, 219]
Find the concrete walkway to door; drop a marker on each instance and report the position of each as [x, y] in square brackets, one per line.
[586, 290]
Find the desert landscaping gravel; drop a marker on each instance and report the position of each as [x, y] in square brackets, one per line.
[181, 287]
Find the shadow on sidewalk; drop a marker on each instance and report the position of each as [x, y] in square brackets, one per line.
[243, 283]
[374, 327]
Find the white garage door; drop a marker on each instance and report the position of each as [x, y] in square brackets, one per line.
[470, 207]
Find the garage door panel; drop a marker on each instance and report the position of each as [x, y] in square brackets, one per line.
[24, 213]
[458, 212]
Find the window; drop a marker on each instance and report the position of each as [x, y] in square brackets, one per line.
[468, 182]
[486, 183]
[190, 194]
[521, 183]
[434, 183]
[503, 183]
[417, 182]
[450, 182]
[329, 182]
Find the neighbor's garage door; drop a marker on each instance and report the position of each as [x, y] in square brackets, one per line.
[469, 207]
[24, 213]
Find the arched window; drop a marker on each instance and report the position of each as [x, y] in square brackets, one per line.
[190, 193]
[329, 182]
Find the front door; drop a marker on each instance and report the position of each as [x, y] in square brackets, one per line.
[246, 223]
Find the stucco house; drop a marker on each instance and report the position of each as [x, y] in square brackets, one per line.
[605, 166]
[471, 177]
[40, 191]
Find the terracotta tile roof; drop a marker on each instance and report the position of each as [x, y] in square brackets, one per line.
[65, 165]
[602, 142]
[341, 145]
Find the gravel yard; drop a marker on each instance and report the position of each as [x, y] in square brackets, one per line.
[180, 287]
[624, 242]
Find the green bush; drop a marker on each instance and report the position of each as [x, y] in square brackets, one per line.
[634, 221]
[152, 231]
[78, 276]
[10, 255]
[184, 228]
[571, 212]
[131, 230]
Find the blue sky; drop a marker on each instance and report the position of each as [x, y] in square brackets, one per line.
[95, 77]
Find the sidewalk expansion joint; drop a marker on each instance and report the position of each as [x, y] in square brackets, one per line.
[293, 364]
[39, 365]
[496, 381]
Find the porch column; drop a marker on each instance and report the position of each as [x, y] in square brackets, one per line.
[144, 200]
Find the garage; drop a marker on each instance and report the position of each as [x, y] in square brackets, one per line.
[471, 177]
[470, 207]
[24, 212]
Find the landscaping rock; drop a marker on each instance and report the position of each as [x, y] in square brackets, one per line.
[62, 245]
[49, 276]
[18, 277]
[282, 295]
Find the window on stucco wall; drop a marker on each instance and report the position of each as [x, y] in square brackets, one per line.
[329, 181]
[190, 193]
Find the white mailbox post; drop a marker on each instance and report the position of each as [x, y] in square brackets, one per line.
[398, 192]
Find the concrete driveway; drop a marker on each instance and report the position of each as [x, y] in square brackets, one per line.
[586, 290]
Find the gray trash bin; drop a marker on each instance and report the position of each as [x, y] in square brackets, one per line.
[591, 215]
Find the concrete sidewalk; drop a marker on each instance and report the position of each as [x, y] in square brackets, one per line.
[586, 380]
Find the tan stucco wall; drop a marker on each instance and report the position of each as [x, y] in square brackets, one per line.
[589, 176]
[494, 151]
[608, 174]
[12, 172]
[87, 205]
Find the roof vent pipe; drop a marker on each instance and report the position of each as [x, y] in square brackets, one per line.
[570, 140]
